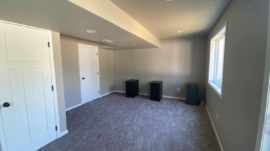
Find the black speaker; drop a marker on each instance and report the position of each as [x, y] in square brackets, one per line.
[156, 90]
[132, 88]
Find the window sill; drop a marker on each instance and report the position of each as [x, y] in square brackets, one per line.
[216, 88]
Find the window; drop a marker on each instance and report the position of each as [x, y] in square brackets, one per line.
[217, 51]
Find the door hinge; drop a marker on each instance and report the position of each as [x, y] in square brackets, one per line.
[98, 73]
[48, 44]
[55, 128]
[97, 53]
[98, 91]
[52, 88]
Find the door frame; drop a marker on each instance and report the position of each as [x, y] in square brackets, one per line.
[98, 76]
[51, 57]
[55, 97]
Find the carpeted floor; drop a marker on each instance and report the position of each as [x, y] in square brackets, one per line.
[117, 123]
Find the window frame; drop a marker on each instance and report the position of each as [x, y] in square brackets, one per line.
[213, 59]
[217, 60]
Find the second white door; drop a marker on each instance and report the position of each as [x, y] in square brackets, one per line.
[89, 72]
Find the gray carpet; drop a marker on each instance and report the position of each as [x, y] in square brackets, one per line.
[117, 123]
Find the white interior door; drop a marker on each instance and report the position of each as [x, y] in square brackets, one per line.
[27, 117]
[89, 72]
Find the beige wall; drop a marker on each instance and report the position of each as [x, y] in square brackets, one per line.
[106, 71]
[265, 105]
[245, 53]
[59, 80]
[177, 62]
[71, 71]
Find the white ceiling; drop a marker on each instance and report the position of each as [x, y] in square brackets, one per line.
[68, 19]
[161, 18]
[164, 18]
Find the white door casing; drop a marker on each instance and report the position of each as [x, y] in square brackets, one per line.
[89, 72]
[26, 84]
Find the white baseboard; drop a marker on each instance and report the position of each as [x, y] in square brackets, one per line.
[219, 142]
[106, 94]
[146, 94]
[116, 91]
[73, 107]
[172, 97]
[63, 133]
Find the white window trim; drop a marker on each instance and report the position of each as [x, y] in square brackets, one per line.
[216, 87]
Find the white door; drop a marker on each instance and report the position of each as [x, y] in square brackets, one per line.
[27, 118]
[89, 72]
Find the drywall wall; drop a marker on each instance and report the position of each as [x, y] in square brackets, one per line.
[71, 73]
[176, 63]
[264, 138]
[238, 110]
[106, 71]
[59, 80]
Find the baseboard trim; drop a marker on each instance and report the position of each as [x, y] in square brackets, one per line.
[116, 91]
[172, 97]
[106, 94]
[219, 142]
[73, 107]
[146, 94]
[63, 133]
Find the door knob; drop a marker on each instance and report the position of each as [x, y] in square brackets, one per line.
[6, 104]
[83, 78]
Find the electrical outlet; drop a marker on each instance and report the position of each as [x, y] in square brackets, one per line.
[216, 116]
[178, 89]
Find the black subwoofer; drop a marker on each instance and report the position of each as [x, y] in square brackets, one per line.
[156, 90]
[132, 88]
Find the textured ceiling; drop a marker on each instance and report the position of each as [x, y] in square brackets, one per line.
[164, 18]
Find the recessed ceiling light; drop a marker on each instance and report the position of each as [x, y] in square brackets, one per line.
[180, 31]
[134, 45]
[107, 40]
[169, 0]
[91, 31]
